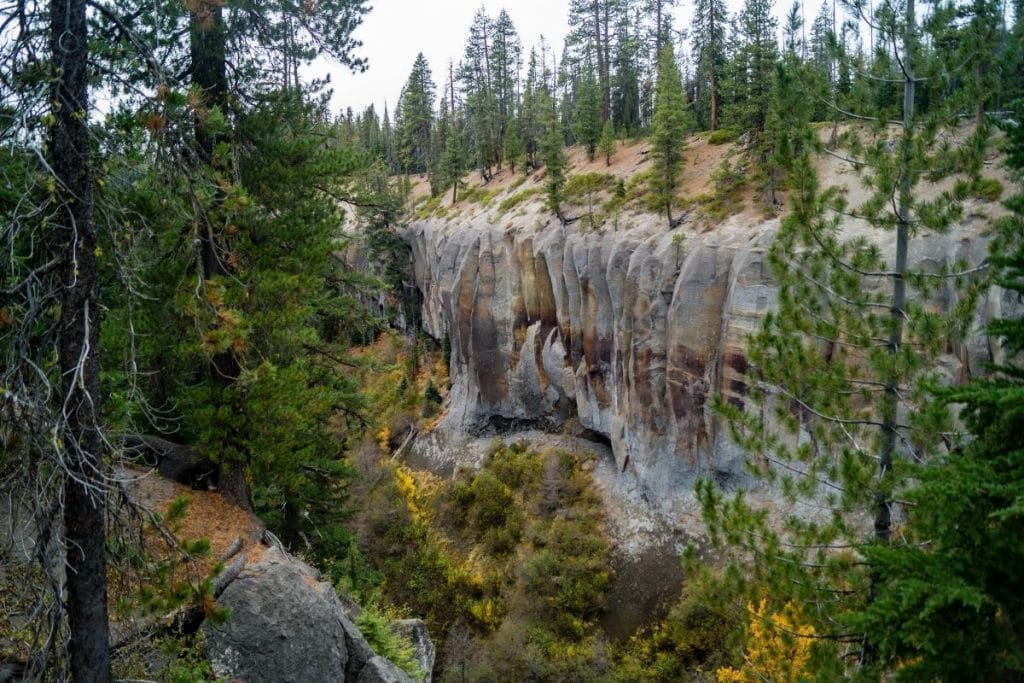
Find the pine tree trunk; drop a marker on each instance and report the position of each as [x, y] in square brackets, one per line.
[292, 521]
[209, 74]
[76, 242]
[599, 48]
[980, 75]
[657, 30]
[714, 99]
[606, 79]
[883, 511]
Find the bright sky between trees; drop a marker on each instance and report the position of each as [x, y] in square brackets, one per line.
[394, 32]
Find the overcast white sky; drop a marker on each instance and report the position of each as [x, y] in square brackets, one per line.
[396, 30]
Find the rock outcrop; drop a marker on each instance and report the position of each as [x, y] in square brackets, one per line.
[284, 622]
[631, 330]
[415, 632]
[287, 625]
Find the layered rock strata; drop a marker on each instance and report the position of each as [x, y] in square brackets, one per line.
[631, 330]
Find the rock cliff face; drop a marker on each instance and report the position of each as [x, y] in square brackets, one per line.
[632, 329]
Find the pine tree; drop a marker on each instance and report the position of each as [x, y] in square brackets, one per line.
[607, 143]
[515, 152]
[505, 66]
[963, 562]
[981, 42]
[836, 402]
[820, 53]
[659, 15]
[529, 117]
[589, 23]
[625, 90]
[708, 38]
[453, 164]
[552, 150]
[288, 396]
[388, 133]
[438, 143]
[668, 134]
[587, 118]
[822, 64]
[415, 118]
[1011, 66]
[476, 76]
[75, 451]
[755, 66]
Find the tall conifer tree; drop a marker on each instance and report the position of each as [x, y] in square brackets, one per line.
[415, 118]
[963, 562]
[668, 133]
[710, 20]
[587, 116]
[836, 399]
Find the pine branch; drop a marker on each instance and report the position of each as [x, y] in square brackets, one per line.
[143, 51]
[864, 304]
[829, 418]
[45, 269]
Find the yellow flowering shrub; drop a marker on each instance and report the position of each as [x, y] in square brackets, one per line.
[778, 647]
[384, 439]
[410, 493]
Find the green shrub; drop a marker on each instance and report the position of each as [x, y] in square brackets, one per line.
[729, 180]
[479, 195]
[492, 502]
[722, 136]
[375, 625]
[428, 206]
[701, 632]
[431, 394]
[579, 186]
[988, 189]
[518, 198]
[515, 551]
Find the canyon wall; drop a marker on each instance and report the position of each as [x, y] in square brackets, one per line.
[624, 334]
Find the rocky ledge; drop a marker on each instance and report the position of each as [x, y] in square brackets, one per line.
[626, 332]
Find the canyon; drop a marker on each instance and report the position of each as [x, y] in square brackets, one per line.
[623, 335]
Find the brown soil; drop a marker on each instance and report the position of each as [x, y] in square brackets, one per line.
[702, 159]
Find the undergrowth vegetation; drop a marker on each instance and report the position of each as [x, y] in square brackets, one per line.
[508, 563]
[513, 556]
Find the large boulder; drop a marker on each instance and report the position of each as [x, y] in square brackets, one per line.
[283, 626]
[286, 625]
[380, 670]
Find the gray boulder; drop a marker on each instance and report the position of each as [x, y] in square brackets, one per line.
[380, 670]
[415, 631]
[285, 625]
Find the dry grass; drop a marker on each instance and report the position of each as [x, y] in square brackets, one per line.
[209, 516]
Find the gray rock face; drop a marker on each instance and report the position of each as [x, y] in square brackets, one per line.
[283, 626]
[632, 331]
[415, 631]
[380, 670]
[286, 625]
